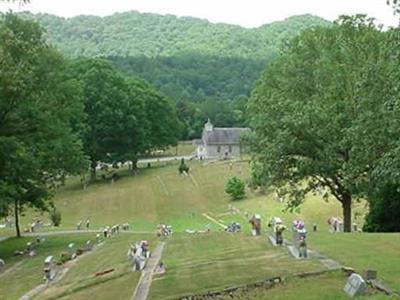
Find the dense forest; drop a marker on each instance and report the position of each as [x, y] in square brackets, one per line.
[207, 69]
[135, 34]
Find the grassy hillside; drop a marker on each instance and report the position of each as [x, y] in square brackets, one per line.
[197, 262]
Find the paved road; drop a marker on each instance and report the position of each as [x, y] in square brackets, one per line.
[162, 159]
[142, 289]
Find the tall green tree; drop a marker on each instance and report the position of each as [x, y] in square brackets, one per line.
[38, 104]
[320, 111]
[125, 116]
[115, 128]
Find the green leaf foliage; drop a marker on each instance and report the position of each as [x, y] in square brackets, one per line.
[39, 102]
[207, 69]
[325, 113]
[235, 188]
[133, 34]
[125, 116]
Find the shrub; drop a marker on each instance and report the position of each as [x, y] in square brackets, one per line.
[55, 217]
[235, 188]
[384, 210]
[183, 167]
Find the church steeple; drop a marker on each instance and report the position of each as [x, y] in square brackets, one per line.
[209, 126]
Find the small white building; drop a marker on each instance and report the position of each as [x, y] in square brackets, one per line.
[220, 143]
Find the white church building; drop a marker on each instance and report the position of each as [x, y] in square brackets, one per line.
[220, 143]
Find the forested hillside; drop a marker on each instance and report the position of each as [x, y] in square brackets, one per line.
[135, 34]
[208, 69]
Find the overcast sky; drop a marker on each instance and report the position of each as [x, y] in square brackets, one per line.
[248, 13]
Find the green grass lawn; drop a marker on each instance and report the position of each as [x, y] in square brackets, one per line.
[200, 262]
[80, 282]
[211, 261]
[27, 272]
[182, 149]
[156, 195]
[328, 286]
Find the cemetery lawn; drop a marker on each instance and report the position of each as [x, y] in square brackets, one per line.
[80, 282]
[158, 194]
[328, 286]
[195, 262]
[378, 251]
[23, 273]
[213, 261]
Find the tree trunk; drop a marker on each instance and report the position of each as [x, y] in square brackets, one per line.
[346, 205]
[134, 165]
[93, 165]
[16, 213]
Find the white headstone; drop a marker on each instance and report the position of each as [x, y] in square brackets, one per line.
[355, 285]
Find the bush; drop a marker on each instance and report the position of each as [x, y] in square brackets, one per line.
[235, 188]
[183, 167]
[55, 217]
[384, 210]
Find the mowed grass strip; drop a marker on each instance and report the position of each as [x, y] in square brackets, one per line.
[328, 286]
[379, 251]
[112, 255]
[202, 262]
[29, 271]
[156, 195]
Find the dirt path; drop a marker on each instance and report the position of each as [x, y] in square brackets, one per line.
[143, 286]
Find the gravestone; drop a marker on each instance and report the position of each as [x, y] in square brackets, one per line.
[276, 231]
[50, 269]
[370, 274]
[88, 246]
[355, 286]
[139, 254]
[30, 249]
[98, 238]
[2, 263]
[71, 250]
[255, 222]
[299, 238]
[233, 227]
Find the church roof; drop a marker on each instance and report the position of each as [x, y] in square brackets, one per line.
[223, 136]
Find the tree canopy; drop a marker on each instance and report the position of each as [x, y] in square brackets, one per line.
[39, 101]
[125, 116]
[198, 64]
[134, 34]
[324, 113]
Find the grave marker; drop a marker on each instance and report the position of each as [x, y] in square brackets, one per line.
[355, 286]
[299, 238]
[370, 274]
[88, 246]
[49, 269]
[255, 222]
[71, 250]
